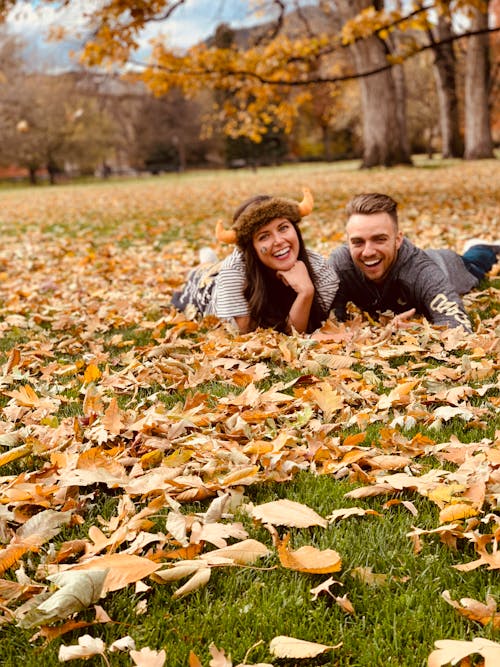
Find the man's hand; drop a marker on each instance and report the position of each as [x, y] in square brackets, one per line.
[401, 321]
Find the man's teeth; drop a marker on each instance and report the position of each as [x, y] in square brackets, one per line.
[372, 263]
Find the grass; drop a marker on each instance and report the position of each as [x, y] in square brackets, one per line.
[98, 290]
[395, 622]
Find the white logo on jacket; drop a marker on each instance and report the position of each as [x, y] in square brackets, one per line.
[441, 304]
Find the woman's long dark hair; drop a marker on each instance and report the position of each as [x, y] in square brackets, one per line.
[269, 299]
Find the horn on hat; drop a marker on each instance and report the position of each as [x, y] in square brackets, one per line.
[224, 235]
[307, 203]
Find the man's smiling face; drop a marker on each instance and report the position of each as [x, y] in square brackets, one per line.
[374, 241]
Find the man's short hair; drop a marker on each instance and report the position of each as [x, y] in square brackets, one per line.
[368, 203]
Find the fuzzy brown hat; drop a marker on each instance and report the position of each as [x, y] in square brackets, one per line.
[261, 211]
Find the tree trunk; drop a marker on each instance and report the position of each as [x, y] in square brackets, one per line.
[444, 72]
[478, 139]
[325, 136]
[384, 131]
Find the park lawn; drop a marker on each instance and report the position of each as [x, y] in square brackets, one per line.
[136, 436]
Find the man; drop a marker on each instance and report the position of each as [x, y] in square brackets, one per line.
[380, 270]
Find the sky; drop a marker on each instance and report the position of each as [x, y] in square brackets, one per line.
[191, 23]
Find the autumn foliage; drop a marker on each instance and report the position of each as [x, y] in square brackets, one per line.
[106, 390]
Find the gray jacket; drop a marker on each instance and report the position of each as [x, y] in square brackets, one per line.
[430, 281]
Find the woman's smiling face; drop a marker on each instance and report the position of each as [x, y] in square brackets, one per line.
[277, 244]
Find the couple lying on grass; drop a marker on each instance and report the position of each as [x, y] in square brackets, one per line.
[272, 280]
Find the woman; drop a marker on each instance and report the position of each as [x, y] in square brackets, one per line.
[270, 279]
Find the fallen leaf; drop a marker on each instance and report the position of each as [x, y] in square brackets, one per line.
[457, 511]
[147, 657]
[309, 559]
[77, 591]
[288, 513]
[476, 611]
[86, 648]
[290, 647]
[123, 569]
[452, 651]
[198, 580]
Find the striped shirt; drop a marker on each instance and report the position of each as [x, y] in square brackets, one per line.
[227, 297]
[217, 289]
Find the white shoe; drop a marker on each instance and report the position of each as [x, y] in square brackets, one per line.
[207, 256]
[494, 245]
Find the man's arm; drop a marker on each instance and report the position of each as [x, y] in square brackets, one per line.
[439, 301]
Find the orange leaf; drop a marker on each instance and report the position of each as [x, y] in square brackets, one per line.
[10, 556]
[91, 374]
[123, 568]
[309, 559]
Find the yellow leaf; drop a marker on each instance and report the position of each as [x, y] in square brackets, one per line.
[15, 453]
[457, 511]
[91, 374]
[151, 459]
[444, 493]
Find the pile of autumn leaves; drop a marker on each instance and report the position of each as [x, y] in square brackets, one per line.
[88, 405]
